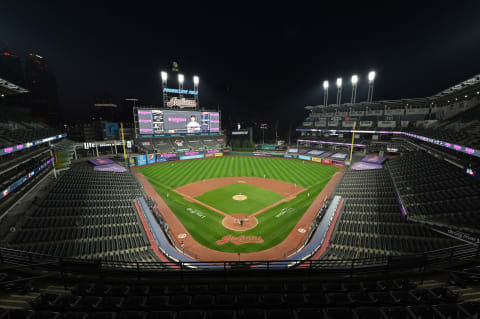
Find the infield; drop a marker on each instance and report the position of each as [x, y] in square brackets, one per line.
[222, 198]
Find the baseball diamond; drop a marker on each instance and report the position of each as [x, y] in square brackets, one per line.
[271, 185]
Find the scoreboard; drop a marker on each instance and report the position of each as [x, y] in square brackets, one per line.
[164, 122]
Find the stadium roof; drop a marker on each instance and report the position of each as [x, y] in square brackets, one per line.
[9, 88]
[470, 86]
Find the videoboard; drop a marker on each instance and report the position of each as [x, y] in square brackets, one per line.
[161, 122]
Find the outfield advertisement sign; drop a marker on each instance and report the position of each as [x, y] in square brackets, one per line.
[192, 157]
[326, 161]
[161, 159]
[218, 154]
[141, 160]
[213, 151]
[305, 158]
[151, 158]
[209, 155]
[168, 155]
[316, 159]
[288, 156]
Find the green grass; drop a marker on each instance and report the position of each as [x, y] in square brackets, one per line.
[257, 198]
[273, 225]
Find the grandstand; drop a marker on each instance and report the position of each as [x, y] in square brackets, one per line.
[393, 234]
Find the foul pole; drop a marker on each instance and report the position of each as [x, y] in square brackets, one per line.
[353, 140]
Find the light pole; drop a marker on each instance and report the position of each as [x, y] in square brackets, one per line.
[164, 86]
[354, 88]
[181, 78]
[196, 80]
[325, 93]
[371, 78]
[339, 91]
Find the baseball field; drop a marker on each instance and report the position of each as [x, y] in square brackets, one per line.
[220, 200]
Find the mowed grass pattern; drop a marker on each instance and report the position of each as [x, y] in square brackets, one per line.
[206, 225]
[222, 198]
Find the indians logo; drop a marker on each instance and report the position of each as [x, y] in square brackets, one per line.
[240, 240]
[179, 142]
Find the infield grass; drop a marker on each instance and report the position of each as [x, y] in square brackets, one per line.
[257, 198]
[273, 225]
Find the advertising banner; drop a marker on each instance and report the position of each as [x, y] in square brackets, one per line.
[161, 159]
[315, 152]
[141, 160]
[168, 155]
[214, 151]
[209, 155]
[326, 161]
[191, 157]
[173, 159]
[218, 154]
[288, 156]
[305, 158]
[111, 129]
[151, 158]
[316, 159]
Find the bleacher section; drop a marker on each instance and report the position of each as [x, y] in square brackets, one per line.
[435, 190]
[88, 215]
[372, 224]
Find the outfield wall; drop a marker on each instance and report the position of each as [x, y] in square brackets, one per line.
[154, 158]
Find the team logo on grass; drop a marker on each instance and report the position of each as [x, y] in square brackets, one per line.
[195, 212]
[240, 240]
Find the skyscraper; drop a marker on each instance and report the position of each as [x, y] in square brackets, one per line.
[10, 67]
[42, 84]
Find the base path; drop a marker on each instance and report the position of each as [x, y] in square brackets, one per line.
[293, 240]
[287, 190]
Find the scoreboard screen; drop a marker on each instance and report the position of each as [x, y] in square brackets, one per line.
[161, 122]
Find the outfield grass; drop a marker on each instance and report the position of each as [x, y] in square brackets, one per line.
[274, 224]
[257, 198]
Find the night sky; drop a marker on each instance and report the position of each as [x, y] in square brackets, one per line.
[262, 64]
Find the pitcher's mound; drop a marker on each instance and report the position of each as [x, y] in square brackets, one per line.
[239, 197]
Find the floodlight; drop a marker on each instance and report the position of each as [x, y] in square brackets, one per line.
[164, 75]
[354, 79]
[371, 76]
[339, 82]
[195, 79]
[180, 78]
[325, 84]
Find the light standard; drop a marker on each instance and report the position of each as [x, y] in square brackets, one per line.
[196, 80]
[181, 78]
[339, 91]
[325, 93]
[164, 86]
[371, 78]
[354, 88]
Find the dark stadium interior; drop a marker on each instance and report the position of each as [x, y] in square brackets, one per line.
[385, 98]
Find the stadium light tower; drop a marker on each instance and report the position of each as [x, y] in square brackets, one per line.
[354, 88]
[339, 91]
[164, 76]
[325, 93]
[371, 78]
[196, 80]
[181, 78]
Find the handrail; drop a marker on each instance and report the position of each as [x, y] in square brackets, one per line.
[372, 264]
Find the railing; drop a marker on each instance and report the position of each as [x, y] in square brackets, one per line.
[349, 266]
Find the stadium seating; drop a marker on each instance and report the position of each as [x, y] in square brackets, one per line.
[273, 299]
[435, 190]
[372, 224]
[89, 215]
